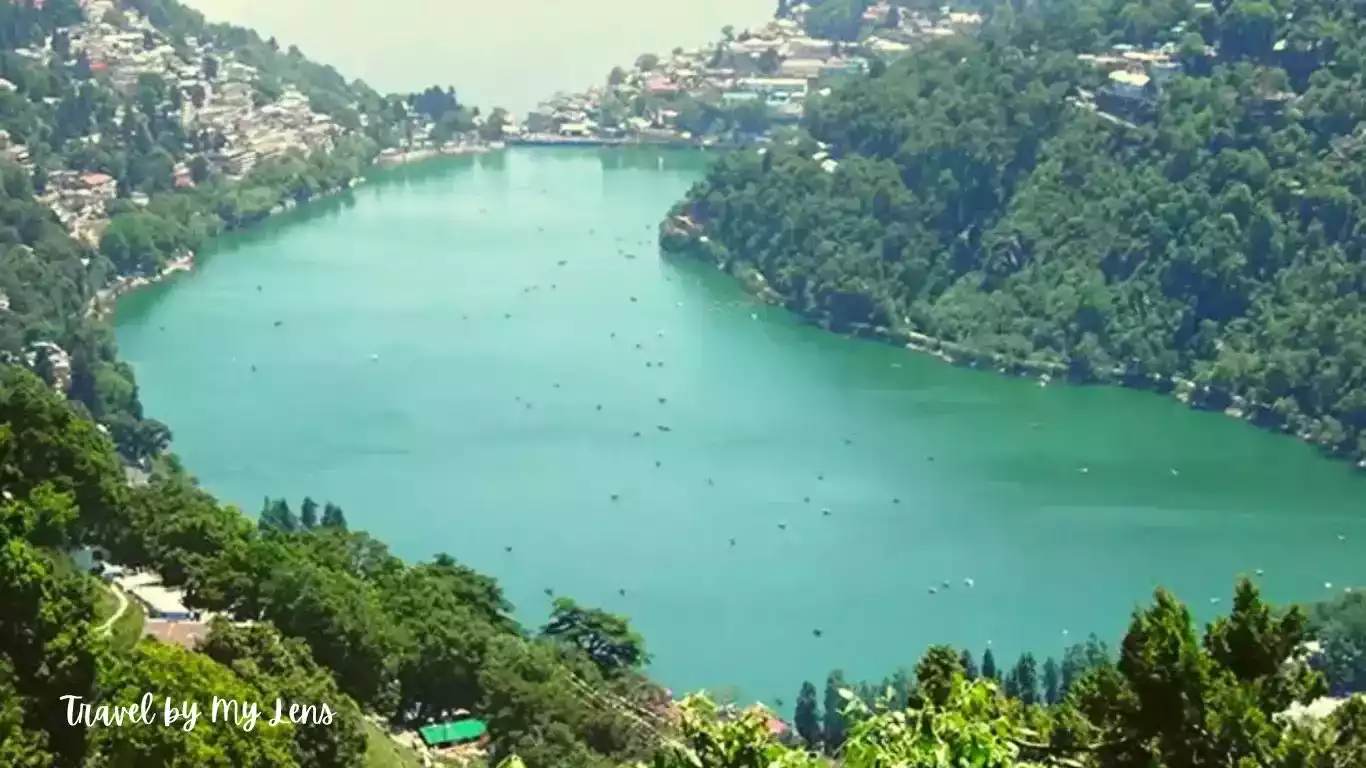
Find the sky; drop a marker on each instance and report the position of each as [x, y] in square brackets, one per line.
[509, 54]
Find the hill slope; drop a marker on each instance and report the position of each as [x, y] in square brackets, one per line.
[1003, 195]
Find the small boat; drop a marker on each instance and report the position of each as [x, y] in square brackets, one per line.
[663, 428]
[969, 582]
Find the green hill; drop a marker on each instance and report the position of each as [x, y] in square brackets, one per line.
[1191, 225]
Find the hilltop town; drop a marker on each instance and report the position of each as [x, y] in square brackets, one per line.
[736, 89]
[218, 98]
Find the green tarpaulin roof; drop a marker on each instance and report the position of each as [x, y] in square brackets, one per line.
[454, 732]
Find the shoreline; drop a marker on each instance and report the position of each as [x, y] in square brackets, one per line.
[680, 236]
[394, 158]
[105, 301]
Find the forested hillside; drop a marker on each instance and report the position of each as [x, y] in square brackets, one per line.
[337, 620]
[1198, 229]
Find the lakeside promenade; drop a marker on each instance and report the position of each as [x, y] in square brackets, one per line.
[555, 140]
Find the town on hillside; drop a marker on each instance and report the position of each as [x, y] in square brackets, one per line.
[218, 96]
[735, 90]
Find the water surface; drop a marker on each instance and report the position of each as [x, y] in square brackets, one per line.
[499, 302]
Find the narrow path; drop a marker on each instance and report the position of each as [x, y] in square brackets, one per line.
[108, 626]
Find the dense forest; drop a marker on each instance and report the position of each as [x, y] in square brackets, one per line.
[1203, 235]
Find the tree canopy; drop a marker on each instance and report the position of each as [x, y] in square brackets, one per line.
[1202, 237]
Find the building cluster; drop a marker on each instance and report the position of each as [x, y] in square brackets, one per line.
[165, 615]
[219, 98]
[777, 65]
[1132, 78]
[1135, 77]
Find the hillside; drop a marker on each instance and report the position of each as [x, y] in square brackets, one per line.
[131, 135]
[1163, 195]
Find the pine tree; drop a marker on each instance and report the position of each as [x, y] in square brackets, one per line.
[901, 689]
[834, 730]
[1026, 676]
[333, 517]
[969, 666]
[989, 671]
[808, 716]
[308, 513]
[276, 516]
[1052, 682]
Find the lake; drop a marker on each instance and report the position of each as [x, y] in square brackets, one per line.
[468, 358]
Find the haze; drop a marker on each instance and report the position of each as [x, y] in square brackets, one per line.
[505, 54]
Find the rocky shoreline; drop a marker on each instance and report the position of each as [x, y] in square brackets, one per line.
[682, 236]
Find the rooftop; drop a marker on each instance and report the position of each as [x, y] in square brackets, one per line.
[456, 732]
[1135, 79]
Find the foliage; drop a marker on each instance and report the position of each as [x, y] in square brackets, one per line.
[184, 676]
[1207, 240]
[1340, 627]
[605, 638]
[338, 619]
[1172, 699]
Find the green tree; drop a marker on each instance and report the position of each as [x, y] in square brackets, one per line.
[308, 514]
[989, 671]
[333, 517]
[968, 665]
[1052, 681]
[277, 516]
[182, 676]
[605, 638]
[936, 674]
[808, 716]
[1023, 681]
[282, 668]
[834, 728]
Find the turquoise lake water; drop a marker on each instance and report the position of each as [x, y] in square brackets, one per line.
[477, 428]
